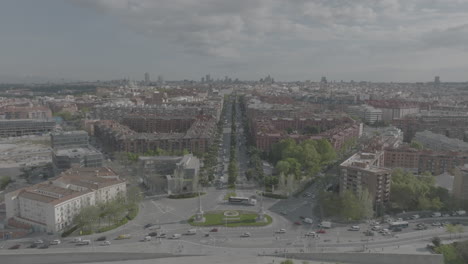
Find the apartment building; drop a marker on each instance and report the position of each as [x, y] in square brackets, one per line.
[364, 171]
[69, 139]
[460, 183]
[51, 206]
[22, 127]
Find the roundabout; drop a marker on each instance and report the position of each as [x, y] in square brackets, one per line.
[231, 218]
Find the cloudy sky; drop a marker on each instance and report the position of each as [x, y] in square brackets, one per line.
[374, 40]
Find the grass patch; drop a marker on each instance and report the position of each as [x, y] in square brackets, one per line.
[229, 194]
[217, 218]
[184, 195]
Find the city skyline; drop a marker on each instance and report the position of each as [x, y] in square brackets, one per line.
[387, 40]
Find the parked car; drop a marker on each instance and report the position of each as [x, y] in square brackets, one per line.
[148, 225]
[436, 214]
[162, 235]
[308, 221]
[297, 223]
[416, 216]
[396, 229]
[302, 217]
[246, 234]
[153, 234]
[39, 241]
[15, 246]
[354, 228]
[376, 228]
[436, 224]
[369, 233]
[43, 246]
[55, 242]
[321, 231]
[147, 238]
[76, 240]
[101, 238]
[214, 230]
[33, 245]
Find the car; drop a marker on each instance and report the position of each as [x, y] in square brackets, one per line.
[396, 229]
[354, 228]
[311, 234]
[147, 238]
[302, 217]
[153, 234]
[148, 225]
[207, 234]
[414, 217]
[162, 235]
[436, 224]
[105, 243]
[280, 231]
[15, 246]
[369, 233]
[43, 246]
[55, 242]
[376, 228]
[175, 236]
[33, 245]
[101, 238]
[321, 231]
[385, 230]
[126, 236]
[246, 234]
[308, 221]
[76, 240]
[214, 230]
[283, 213]
[84, 242]
[297, 223]
[39, 241]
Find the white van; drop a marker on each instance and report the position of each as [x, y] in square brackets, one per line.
[308, 221]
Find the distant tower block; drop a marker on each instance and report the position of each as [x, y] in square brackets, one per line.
[437, 81]
[147, 78]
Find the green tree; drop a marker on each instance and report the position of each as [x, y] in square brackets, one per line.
[416, 145]
[4, 181]
[451, 229]
[288, 261]
[134, 195]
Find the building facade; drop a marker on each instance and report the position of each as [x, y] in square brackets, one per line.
[172, 175]
[23, 127]
[69, 139]
[52, 205]
[460, 183]
[364, 171]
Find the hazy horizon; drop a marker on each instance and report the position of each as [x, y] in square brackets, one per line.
[362, 40]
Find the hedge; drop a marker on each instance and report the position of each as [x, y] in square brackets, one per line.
[184, 195]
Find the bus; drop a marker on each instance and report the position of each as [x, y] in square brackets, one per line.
[242, 200]
[399, 224]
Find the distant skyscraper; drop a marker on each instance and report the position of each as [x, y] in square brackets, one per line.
[147, 78]
[437, 81]
[208, 78]
[323, 80]
[160, 80]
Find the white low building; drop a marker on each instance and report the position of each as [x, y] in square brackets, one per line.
[51, 206]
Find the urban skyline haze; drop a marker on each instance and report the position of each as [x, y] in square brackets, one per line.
[383, 40]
